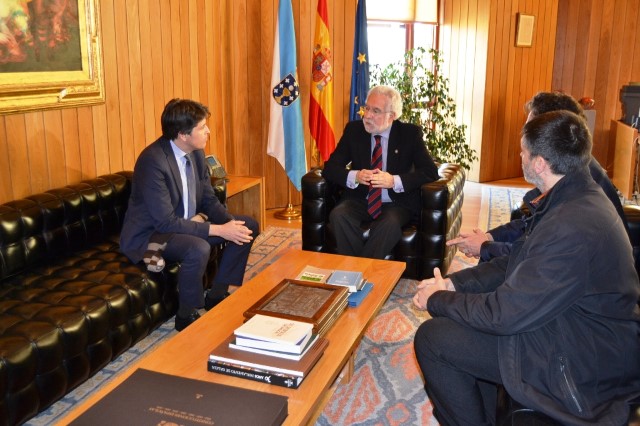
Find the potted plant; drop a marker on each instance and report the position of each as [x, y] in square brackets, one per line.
[426, 103]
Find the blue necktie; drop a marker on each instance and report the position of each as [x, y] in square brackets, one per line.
[374, 206]
[191, 186]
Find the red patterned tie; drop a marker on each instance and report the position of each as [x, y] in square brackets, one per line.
[375, 194]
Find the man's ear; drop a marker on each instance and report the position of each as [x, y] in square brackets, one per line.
[540, 165]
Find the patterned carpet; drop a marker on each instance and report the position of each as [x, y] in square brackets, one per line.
[386, 388]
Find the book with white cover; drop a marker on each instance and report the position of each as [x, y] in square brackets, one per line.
[271, 346]
[296, 357]
[286, 333]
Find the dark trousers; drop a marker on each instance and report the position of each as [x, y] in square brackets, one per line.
[460, 369]
[193, 254]
[347, 218]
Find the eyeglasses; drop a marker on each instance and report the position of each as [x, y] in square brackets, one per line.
[374, 111]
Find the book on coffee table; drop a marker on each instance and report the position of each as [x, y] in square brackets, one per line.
[314, 274]
[317, 303]
[353, 280]
[274, 334]
[268, 377]
[152, 398]
[270, 352]
[355, 299]
[224, 353]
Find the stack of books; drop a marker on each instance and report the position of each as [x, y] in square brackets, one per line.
[275, 336]
[316, 303]
[357, 285]
[269, 349]
[353, 280]
[283, 335]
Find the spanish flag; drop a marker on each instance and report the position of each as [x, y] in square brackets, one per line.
[321, 103]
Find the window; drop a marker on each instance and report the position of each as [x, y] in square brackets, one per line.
[388, 41]
[396, 26]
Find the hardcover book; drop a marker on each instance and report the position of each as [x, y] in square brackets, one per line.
[151, 398]
[274, 333]
[316, 303]
[356, 298]
[223, 353]
[280, 354]
[351, 279]
[315, 274]
[268, 377]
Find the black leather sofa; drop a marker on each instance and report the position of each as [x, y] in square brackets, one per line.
[70, 302]
[422, 246]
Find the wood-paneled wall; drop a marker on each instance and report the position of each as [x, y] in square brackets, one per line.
[491, 79]
[220, 52]
[217, 52]
[597, 52]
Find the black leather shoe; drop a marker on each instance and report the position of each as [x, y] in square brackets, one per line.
[211, 302]
[184, 322]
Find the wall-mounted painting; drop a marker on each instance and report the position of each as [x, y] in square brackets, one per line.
[50, 54]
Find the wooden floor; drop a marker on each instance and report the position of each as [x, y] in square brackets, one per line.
[470, 207]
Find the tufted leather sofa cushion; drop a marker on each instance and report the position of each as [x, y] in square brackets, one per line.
[422, 246]
[70, 302]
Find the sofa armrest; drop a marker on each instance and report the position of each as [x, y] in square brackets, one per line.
[317, 202]
[632, 213]
[441, 218]
[220, 188]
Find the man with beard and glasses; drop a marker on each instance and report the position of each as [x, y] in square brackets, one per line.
[497, 241]
[556, 322]
[381, 163]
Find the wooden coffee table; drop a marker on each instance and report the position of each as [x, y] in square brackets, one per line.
[186, 353]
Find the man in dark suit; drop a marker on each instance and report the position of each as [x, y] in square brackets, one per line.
[388, 163]
[172, 200]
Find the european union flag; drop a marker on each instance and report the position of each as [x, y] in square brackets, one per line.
[360, 66]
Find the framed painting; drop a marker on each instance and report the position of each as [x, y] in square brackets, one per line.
[524, 30]
[50, 55]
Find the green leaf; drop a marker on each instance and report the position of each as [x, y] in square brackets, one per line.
[427, 103]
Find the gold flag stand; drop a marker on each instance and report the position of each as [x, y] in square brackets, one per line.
[290, 212]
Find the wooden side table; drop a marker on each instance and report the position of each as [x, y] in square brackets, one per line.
[245, 195]
[624, 160]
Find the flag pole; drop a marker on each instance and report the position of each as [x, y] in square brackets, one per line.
[289, 212]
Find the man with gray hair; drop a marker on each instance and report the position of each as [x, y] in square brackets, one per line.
[388, 163]
[556, 322]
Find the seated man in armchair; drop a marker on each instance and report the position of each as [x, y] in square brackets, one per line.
[389, 163]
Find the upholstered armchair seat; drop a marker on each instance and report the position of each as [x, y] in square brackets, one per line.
[422, 246]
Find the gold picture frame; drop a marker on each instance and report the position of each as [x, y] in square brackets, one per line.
[524, 30]
[25, 82]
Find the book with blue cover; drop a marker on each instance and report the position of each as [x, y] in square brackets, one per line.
[353, 280]
[357, 297]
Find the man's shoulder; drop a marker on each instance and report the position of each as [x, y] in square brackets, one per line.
[405, 126]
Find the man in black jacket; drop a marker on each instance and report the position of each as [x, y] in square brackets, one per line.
[385, 194]
[556, 322]
[497, 241]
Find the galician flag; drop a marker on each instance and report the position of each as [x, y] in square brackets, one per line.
[360, 65]
[321, 102]
[286, 136]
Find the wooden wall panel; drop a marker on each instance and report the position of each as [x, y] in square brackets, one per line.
[220, 53]
[492, 80]
[604, 57]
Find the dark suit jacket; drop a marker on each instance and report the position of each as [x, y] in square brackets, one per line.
[407, 157]
[156, 201]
